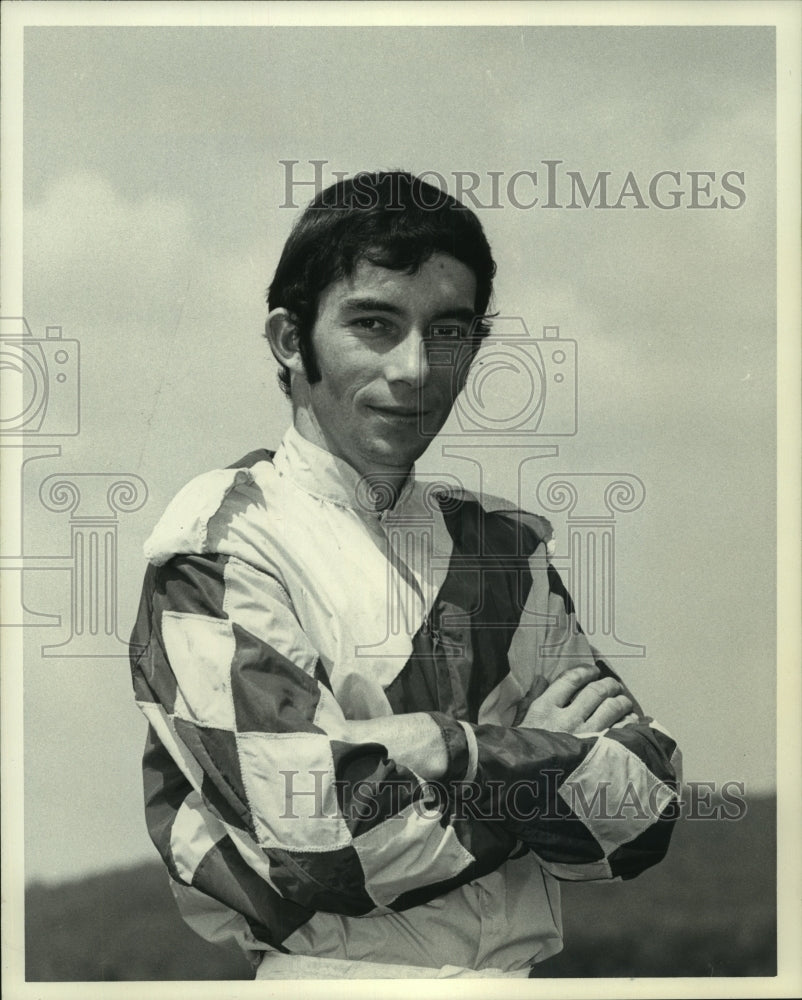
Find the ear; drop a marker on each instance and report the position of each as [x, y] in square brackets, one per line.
[282, 334]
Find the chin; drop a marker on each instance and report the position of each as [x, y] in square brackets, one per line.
[397, 456]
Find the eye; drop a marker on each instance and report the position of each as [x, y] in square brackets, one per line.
[373, 324]
[447, 331]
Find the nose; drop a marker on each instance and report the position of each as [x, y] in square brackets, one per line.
[408, 360]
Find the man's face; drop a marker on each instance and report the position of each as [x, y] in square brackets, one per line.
[372, 339]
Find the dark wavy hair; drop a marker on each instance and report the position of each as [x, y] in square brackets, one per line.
[391, 219]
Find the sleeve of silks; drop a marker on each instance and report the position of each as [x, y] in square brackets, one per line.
[252, 795]
[595, 806]
[591, 806]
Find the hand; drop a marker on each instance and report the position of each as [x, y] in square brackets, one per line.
[578, 701]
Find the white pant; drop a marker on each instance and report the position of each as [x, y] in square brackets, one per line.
[276, 965]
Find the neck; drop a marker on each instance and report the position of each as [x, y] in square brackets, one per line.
[383, 484]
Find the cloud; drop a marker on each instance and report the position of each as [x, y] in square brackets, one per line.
[91, 255]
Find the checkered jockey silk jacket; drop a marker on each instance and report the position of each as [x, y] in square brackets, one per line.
[277, 605]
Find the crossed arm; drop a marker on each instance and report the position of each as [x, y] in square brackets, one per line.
[579, 700]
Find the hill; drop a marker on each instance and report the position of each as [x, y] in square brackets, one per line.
[708, 910]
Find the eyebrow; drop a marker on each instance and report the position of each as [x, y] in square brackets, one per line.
[367, 304]
[371, 305]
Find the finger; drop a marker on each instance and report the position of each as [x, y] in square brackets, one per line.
[538, 686]
[562, 690]
[522, 709]
[593, 694]
[626, 721]
[610, 711]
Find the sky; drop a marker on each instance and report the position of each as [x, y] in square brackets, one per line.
[154, 212]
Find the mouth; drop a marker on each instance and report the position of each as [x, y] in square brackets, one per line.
[399, 413]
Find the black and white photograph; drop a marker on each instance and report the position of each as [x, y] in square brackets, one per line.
[400, 469]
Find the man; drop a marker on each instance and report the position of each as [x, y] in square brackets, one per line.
[378, 736]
